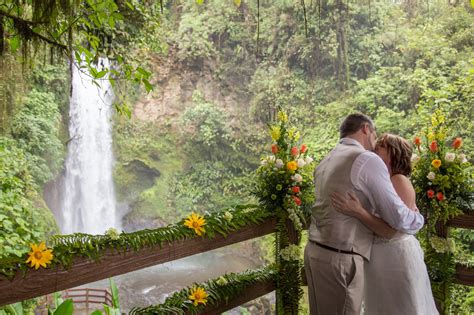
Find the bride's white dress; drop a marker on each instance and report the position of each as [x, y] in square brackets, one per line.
[397, 279]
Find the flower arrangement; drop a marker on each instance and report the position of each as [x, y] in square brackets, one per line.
[285, 178]
[443, 182]
[441, 175]
[284, 186]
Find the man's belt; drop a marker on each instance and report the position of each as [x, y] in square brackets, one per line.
[342, 251]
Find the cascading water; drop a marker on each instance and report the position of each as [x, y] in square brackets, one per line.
[88, 198]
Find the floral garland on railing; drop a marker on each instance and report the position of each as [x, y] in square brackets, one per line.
[65, 248]
[284, 186]
[196, 298]
[444, 187]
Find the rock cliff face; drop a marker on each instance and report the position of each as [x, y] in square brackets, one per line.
[174, 86]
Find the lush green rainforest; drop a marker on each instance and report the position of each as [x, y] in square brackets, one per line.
[219, 74]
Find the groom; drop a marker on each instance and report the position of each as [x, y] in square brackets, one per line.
[339, 245]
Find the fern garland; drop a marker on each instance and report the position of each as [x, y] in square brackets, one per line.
[220, 289]
[68, 247]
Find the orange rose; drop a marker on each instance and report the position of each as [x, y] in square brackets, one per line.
[433, 146]
[430, 193]
[457, 143]
[274, 148]
[297, 200]
[294, 151]
[440, 196]
[436, 163]
[303, 148]
[295, 189]
[292, 165]
[417, 141]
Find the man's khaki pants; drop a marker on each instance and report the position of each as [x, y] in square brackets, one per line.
[335, 281]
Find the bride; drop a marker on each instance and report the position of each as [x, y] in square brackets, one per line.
[396, 277]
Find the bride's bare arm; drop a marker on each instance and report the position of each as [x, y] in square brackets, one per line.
[351, 206]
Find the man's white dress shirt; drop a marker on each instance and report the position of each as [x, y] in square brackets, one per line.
[370, 175]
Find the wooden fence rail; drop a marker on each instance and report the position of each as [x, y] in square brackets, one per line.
[113, 263]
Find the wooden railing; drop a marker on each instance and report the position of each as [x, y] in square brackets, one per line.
[87, 296]
[113, 263]
[463, 274]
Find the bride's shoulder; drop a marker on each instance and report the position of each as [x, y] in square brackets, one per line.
[401, 181]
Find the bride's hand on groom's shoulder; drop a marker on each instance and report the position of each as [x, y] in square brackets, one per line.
[347, 203]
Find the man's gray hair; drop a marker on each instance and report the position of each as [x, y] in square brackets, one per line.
[352, 123]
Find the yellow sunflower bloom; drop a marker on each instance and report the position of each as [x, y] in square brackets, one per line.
[199, 296]
[275, 133]
[195, 222]
[292, 165]
[39, 255]
[436, 163]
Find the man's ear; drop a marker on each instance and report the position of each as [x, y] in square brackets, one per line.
[365, 129]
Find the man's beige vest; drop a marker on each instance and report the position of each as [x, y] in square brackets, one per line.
[328, 226]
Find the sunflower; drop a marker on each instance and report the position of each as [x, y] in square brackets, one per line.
[195, 222]
[39, 255]
[198, 295]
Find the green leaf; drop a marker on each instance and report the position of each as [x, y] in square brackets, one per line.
[115, 295]
[100, 74]
[15, 43]
[15, 309]
[96, 312]
[148, 85]
[66, 308]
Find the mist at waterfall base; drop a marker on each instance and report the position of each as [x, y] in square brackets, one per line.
[88, 197]
[83, 200]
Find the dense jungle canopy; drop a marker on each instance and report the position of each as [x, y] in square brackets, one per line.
[196, 82]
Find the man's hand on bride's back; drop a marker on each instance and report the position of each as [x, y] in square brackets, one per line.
[347, 203]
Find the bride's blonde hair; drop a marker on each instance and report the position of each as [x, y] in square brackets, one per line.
[400, 152]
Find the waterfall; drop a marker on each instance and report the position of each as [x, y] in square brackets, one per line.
[88, 197]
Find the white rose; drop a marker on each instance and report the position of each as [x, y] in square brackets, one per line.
[271, 159]
[415, 158]
[264, 162]
[301, 163]
[449, 157]
[297, 178]
[431, 176]
[279, 163]
[308, 160]
[462, 158]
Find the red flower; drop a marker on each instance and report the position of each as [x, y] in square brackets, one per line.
[433, 146]
[440, 196]
[457, 143]
[274, 148]
[303, 148]
[297, 200]
[430, 193]
[294, 151]
[295, 189]
[417, 141]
